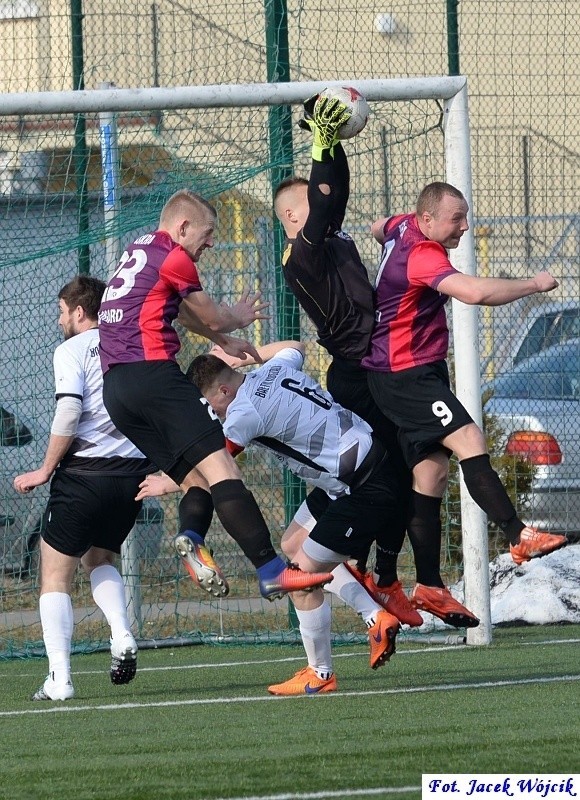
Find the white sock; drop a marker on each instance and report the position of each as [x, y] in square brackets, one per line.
[346, 586]
[109, 594]
[56, 616]
[315, 632]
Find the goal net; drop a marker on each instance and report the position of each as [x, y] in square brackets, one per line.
[84, 173]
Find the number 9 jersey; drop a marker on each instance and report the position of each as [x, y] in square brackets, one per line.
[142, 300]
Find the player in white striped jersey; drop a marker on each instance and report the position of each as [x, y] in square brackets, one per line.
[95, 475]
[280, 407]
[78, 375]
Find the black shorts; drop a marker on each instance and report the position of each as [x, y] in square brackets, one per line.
[163, 414]
[317, 501]
[347, 382]
[89, 510]
[351, 523]
[421, 404]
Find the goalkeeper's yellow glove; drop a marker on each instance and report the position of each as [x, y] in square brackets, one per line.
[324, 116]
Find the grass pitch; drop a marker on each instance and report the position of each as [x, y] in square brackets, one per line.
[198, 723]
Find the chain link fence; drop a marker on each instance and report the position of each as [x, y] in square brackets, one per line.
[525, 139]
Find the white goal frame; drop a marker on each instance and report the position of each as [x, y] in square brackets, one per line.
[452, 92]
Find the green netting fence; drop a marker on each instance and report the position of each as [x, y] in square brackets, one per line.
[523, 95]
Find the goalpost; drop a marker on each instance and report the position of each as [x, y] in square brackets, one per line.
[216, 139]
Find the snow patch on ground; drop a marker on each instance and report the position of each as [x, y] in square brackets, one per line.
[543, 591]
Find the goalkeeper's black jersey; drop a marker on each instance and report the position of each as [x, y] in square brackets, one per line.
[331, 284]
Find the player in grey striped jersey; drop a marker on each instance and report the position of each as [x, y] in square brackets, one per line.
[280, 407]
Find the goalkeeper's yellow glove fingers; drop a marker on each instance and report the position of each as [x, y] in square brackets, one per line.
[324, 116]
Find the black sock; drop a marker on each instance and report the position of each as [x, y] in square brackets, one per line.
[484, 485]
[362, 560]
[243, 520]
[424, 530]
[389, 546]
[386, 565]
[195, 511]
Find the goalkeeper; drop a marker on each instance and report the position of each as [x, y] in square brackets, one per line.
[324, 271]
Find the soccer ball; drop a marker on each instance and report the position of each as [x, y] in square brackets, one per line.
[356, 102]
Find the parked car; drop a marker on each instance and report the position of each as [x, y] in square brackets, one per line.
[520, 336]
[538, 406]
[21, 515]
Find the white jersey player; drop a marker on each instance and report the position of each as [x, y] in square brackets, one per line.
[95, 474]
[279, 407]
[78, 377]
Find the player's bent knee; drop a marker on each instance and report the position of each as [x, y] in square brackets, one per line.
[219, 466]
[293, 538]
[313, 556]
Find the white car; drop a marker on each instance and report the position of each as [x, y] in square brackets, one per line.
[519, 336]
[538, 405]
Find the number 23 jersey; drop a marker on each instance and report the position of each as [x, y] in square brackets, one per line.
[281, 408]
[142, 300]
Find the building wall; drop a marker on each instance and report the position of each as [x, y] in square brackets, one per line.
[520, 60]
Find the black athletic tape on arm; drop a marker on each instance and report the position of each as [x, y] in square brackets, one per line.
[321, 205]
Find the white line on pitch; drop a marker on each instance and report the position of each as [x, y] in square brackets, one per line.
[60, 709]
[288, 659]
[248, 662]
[323, 795]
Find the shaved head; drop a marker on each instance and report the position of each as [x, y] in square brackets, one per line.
[287, 194]
[190, 221]
[182, 204]
[291, 204]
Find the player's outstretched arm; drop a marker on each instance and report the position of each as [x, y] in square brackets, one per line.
[200, 314]
[266, 352]
[474, 290]
[328, 185]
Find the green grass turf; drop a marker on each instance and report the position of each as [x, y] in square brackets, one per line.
[429, 710]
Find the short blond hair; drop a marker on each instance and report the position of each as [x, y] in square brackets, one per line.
[181, 203]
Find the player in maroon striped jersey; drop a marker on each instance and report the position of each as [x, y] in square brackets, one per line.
[156, 407]
[409, 379]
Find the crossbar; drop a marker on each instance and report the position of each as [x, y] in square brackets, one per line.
[220, 95]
